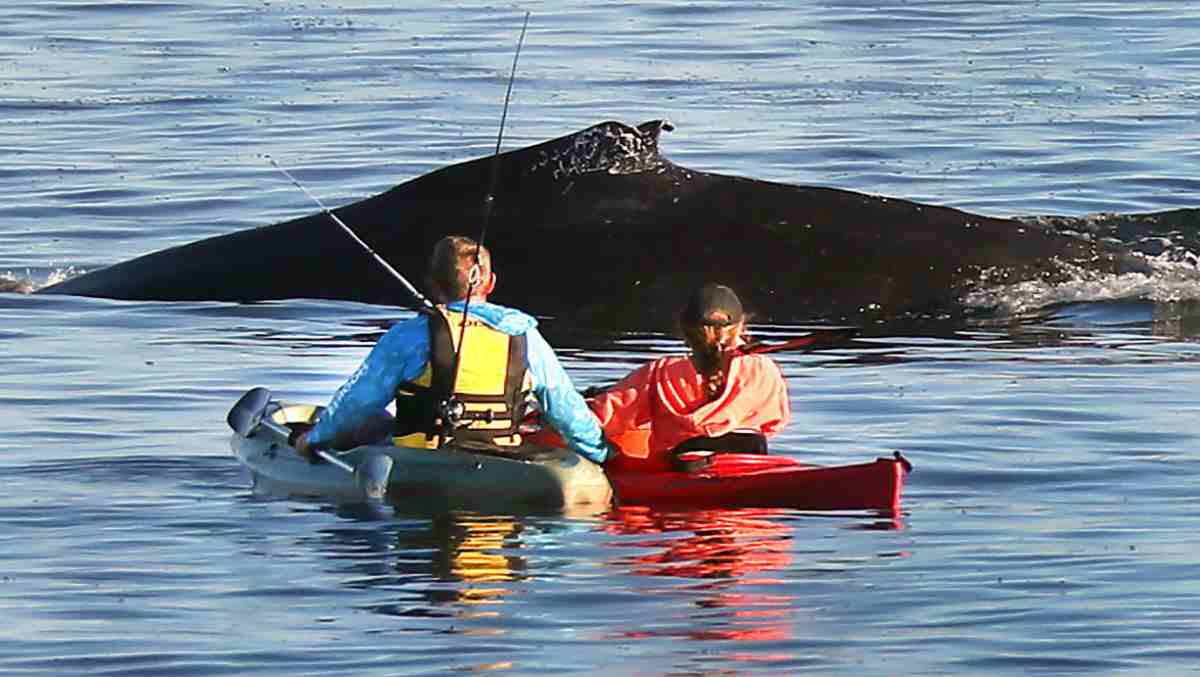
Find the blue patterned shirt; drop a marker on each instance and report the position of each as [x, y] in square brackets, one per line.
[403, 353]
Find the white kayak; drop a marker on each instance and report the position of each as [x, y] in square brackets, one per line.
[445, 478]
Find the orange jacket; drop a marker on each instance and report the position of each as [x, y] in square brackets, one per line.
[667, 398]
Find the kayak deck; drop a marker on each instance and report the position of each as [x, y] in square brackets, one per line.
[741, 480]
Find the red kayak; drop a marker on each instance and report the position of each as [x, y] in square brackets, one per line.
[760, 481]
[730, 480]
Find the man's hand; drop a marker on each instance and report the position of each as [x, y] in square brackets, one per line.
[592, 391]
[613, 453]
[304, 448]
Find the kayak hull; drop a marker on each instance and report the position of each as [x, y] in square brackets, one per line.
[447, 477]
[738, 480]
[553, 477]
[760, 481]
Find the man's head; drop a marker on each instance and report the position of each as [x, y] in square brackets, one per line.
[450, 270]
[712, 305]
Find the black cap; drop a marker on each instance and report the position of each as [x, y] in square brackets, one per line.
[712, 304]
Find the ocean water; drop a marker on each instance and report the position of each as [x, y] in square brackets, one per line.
[1049, 526]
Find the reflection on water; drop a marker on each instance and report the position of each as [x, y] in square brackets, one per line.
[708, 544]
[729, 566]
[476, 551]
[733, 551]
[739, 555]
[447, 565]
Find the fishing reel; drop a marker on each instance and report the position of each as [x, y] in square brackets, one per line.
[452, 414]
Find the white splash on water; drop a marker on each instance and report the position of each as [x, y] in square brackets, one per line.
[1170, 280]
[26, 284]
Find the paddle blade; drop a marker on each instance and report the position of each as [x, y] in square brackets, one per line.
[373, 474]
[247, 413]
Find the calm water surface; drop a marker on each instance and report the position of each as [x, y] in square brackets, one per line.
[1050, 525]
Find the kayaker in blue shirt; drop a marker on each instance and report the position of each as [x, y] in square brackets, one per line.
[504, 361]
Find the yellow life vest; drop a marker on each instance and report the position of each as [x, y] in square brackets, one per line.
[493, 384]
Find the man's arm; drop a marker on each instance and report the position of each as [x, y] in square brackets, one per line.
[625, 404]
[399, 356]
[562, 406]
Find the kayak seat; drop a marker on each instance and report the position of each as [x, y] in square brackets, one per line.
[698, 452]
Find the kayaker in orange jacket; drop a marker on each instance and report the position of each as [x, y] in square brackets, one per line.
[709, 399]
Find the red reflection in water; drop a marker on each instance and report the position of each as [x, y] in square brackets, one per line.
[728, 548]
[732, 551]
[722, 543]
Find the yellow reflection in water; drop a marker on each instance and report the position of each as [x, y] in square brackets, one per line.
[476, 555]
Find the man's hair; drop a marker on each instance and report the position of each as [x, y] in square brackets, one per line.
[450, 267]
[712, 349]
[712, 323]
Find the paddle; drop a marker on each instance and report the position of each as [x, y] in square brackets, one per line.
[249, 415]
[816, 339]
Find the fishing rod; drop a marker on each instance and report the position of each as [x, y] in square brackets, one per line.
[426, 304]
[476, 269]
[452, 409]
[495, 172]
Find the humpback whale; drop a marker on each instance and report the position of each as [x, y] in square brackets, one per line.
[599, 226]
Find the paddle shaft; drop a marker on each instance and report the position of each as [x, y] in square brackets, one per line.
[334, 460]
[816, 338]
[285, 432]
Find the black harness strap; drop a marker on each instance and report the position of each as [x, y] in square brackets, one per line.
[441, 358]
[418, 407]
